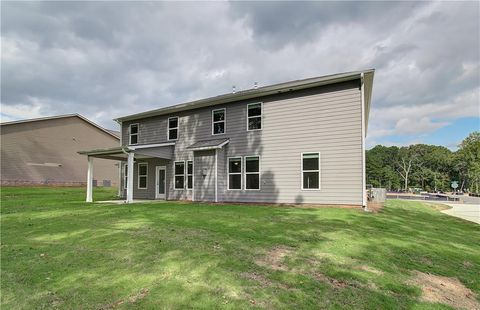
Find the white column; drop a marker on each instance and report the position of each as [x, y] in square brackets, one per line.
[216, 176]
[131, 157]
[90, 180]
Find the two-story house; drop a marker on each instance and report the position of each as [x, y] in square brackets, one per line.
[296, 142]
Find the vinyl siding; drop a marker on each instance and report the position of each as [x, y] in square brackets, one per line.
[324, 119]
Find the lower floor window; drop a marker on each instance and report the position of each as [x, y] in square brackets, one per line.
[179, 175]
[235, 173]
[125, 176]
[142, 176]
[311, 171]
[252, 172]
[189, 174]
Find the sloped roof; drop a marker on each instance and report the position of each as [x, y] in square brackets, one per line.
[208, 144]
[264, 91]
[113, 133]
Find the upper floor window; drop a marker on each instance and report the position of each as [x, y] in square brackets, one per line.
[142, 175]
[173, 128]
[252, 172]
[310, 170]
[254, 116]
[179, 171]
[218, 121]
[133, 131]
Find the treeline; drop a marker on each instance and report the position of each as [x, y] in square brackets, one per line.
[429, 167]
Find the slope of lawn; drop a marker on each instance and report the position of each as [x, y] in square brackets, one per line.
[59, 252]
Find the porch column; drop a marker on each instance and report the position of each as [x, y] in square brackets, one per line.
[119, 179]
[90, 180]
[131, 158]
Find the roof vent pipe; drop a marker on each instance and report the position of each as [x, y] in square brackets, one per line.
[255, 85]
[233, 89]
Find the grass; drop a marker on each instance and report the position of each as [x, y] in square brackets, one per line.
[59, 252]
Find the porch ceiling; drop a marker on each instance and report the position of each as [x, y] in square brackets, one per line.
[141, 152]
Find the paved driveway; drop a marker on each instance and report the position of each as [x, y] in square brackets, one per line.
[469, 212]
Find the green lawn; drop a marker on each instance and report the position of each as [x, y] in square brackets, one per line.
[59, 252]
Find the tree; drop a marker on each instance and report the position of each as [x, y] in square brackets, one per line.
[467, 162]
[405, 163]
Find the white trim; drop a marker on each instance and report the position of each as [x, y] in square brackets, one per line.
[146, 146]
[119, 194]
[187, 161]
[216, 176]
[319, 170]
[138, 176]
[131, 160]
[90, 180]
[234, 173]
[157, 195]
[224, 121]
[259, 173]
[261, 116]
[177, 128]
[205, 148]
[130, 133]
[364, 176]
[175, 175]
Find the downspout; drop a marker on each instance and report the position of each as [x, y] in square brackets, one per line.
[216, 175]
[364, 190]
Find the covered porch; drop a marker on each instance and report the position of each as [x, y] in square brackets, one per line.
[128, 155]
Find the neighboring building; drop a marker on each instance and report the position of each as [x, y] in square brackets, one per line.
[43, 151]
[295, 142]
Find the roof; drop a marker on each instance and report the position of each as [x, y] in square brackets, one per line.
[113, 133]
[208, 144]
[264, 91]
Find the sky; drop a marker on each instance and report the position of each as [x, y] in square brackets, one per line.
[110, 59]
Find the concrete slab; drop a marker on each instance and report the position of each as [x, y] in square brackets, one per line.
[469, 212]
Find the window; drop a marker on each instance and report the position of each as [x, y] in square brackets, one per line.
[179, 175]
[310, 170]
[254, 116]
[173, 128]
[125, 179]
[133, 133]
[235, 173]
[252, 172]
[142, 175]
[218, 121]
[189, 174]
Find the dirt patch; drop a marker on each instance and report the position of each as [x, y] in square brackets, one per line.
[375, 207]
[131, 299]
[274, 258]
[370, 269]
[336, 283]
[257, 277]
[445, 290]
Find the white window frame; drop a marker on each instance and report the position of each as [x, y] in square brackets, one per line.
[138, 175]
[259, 173]
[186, 168]
[261, 116]
[125, 169]
[175, 175]
[235, 173]
[134, 134]
[177, 128]
[302, 171]
[224, 122]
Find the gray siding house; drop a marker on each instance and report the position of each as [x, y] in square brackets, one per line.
[296, 142]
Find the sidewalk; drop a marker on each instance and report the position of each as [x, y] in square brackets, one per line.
[469, 212]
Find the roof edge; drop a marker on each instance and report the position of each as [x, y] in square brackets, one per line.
[250, 94]
[47, 118]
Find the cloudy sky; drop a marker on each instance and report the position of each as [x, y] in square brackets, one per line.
[108, 59]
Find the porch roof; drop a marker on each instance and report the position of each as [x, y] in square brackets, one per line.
[208, 144]
[161, 150]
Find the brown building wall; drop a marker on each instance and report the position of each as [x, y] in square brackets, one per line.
[45, 152]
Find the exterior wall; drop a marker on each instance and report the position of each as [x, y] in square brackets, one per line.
[324, 119]
[27, 146]
[204, 185]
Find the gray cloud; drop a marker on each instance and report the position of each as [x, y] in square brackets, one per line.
[106, 59]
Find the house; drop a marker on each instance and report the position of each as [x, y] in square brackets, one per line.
[43, 151]
[296, 142]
